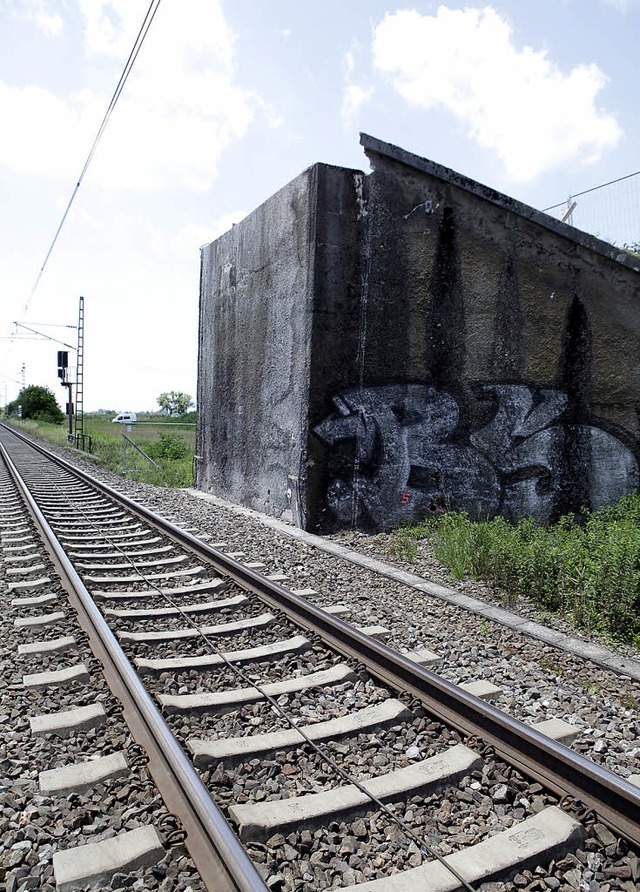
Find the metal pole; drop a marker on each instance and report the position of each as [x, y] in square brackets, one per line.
[78, 418]
[69, 410]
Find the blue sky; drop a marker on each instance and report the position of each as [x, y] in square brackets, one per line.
[227, 102]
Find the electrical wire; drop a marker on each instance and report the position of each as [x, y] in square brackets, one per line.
[51, 325]
[142, 33]
[41, 334]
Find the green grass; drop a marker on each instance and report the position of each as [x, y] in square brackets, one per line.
[55, 433]
[171, 446]
[586, 568]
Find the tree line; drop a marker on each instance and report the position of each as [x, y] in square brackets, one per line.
[39, 404]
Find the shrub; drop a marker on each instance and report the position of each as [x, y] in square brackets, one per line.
[170, 447]
[38, 403]
[586, 567]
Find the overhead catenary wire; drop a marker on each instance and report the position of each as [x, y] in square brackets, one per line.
[50, 324]
[41, 334]
[133, 55]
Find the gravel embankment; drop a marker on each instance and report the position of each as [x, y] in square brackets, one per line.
[34, 825]
[538, 682]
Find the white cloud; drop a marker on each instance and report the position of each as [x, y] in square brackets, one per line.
[110, 26]
[40, 12]
[41, 132]
[178, 113]
[353, 99]
[223, 224]
[183, 244]
[354, 95]
[514, 101]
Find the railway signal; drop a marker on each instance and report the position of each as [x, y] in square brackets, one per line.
[63, 365]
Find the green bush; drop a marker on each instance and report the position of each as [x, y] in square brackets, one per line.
[169, 447]
[587, 567]
[171, 452]
[38, 404]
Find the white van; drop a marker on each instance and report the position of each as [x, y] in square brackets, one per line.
[125, 418]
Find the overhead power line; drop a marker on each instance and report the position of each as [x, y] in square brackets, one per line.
[41, 334]
[133, 55]
[51, 324]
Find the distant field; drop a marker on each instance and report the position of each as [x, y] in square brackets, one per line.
[147, 427]
[170, 444]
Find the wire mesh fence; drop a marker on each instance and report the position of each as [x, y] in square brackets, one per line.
[610, 211]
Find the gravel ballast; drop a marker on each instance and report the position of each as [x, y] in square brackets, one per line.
[35, 825]
[538, 682]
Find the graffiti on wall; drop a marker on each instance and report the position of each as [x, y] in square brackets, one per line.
[398, 452]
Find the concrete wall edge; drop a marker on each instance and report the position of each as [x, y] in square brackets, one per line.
[372, 145]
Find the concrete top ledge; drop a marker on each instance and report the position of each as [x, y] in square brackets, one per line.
[395, 153]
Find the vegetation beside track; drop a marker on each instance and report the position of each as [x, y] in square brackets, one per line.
[585, 568]
[170, 442]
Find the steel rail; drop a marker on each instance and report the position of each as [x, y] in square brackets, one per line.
[613, 799]
[217, 853]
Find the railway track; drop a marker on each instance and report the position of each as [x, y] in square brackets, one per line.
[322, 748]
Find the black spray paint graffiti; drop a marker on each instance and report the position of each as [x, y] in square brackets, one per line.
[408, 456]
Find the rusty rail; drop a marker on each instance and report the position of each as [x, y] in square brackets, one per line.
[613, 799]
[218, 855]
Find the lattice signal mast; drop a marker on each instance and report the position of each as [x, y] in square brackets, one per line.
[78, 418]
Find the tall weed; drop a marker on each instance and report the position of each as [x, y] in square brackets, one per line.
[587, 568]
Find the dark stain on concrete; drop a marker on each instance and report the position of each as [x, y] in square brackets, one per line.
[445, 324]
[507, 354]
[574, 376]
[371, 343]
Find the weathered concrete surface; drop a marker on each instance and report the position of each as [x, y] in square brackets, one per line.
[374, 348]
[272, 290]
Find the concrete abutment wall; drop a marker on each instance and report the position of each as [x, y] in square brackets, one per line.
[373, 348]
